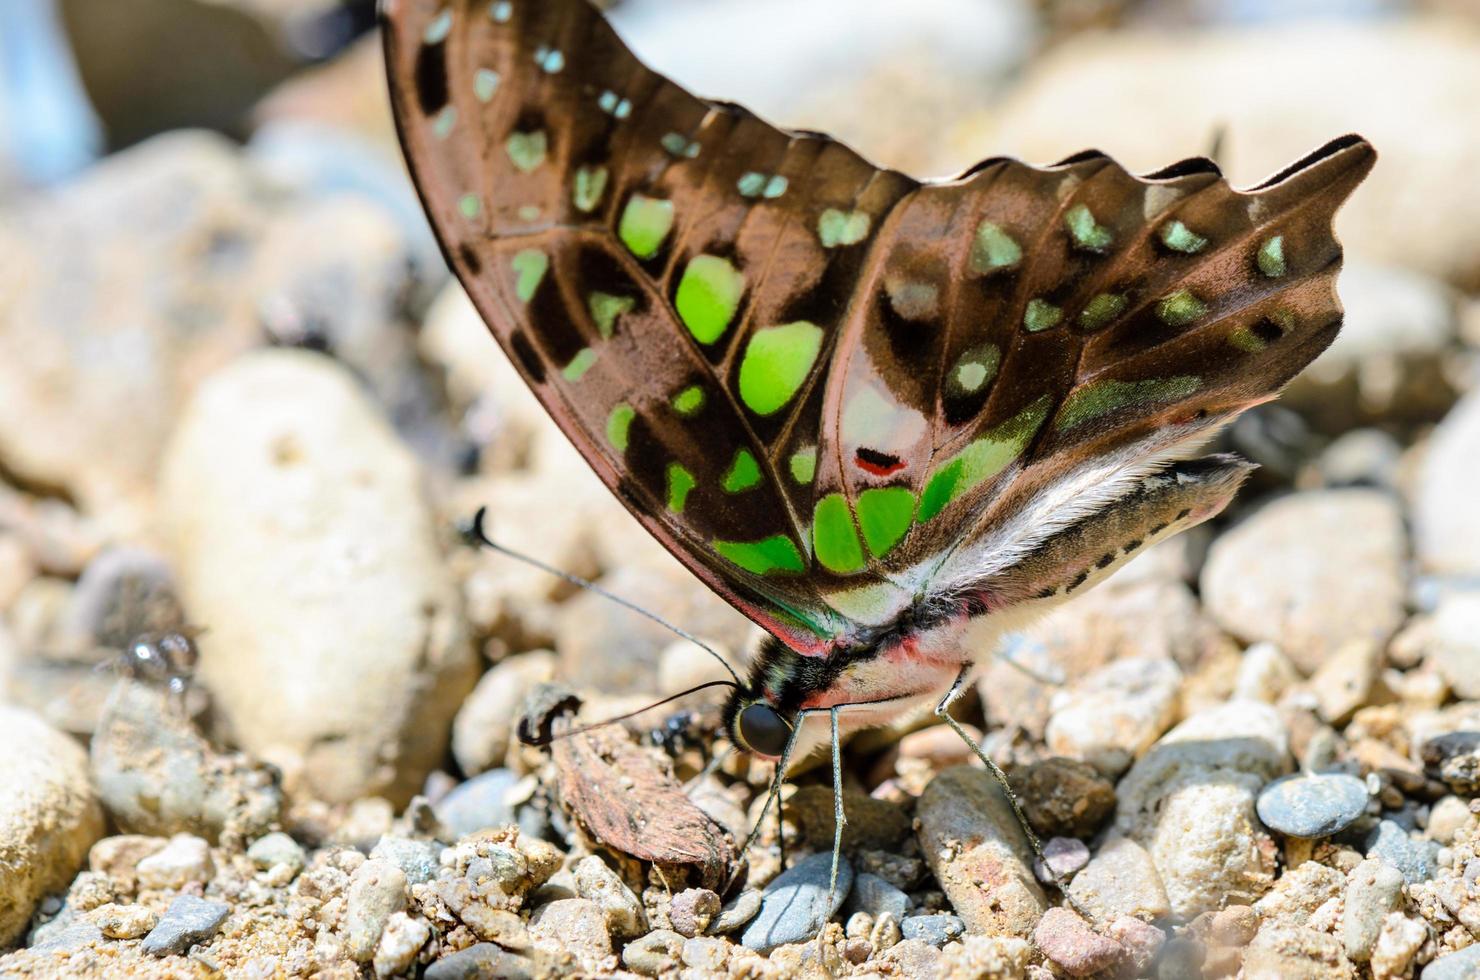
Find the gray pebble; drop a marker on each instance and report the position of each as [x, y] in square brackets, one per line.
[483, 961]
[937, 929]
[417, 859]
[1312, 805]
[188, 920]
[1374, 889]
[876, 896]
[795, 905]
[64, 934]
[1464, 965]
[1065, 856]
[1418, 860]
[478, 804]
[274, 849]
[653, 955]
[736, 912]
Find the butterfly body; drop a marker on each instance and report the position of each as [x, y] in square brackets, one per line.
[885, 419]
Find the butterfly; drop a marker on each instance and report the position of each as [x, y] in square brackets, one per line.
[885, 419]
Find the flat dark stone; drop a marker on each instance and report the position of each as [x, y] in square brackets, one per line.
[483, 961]
[188, 920]
[794, 907]
[1418, 860]
[1310, 805]
[937, 929]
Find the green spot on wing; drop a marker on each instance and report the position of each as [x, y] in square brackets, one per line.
[751, 184]
[884, 515]
[1088, 235]
[530, 266]
[775, 187]
[803, 465]
[1100, 398]
[446, 119]
[1179, 238]
[590, 184]
[743, 473]
[1041, 315]
[469, 205]
[485, 83]
[981, 460]
[605, 308]
[1271, 257]
[993, 249]
[974, 370]
[645, 222]
[439, 28]
[777, 553]
[834, 541]
[1099, 311]
[579, 364]
[836, 227]
[689, 401]
[617, 425]
[776, 363]
[680, 482]
[1180, 309]
[708, 296]
[527, 150]
[1246, 340]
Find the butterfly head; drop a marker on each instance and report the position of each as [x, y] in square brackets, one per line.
[755, 726]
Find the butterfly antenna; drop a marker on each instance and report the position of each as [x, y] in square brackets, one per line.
[473, 533]
[537, 741]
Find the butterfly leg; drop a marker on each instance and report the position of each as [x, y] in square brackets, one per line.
[957, 687]
[773, 795]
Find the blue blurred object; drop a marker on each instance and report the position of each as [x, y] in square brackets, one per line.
[48, 129]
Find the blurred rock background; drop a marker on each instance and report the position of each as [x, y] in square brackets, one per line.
[239, 392]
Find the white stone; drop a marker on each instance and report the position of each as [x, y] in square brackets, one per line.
[1113, 715]
[1446, 522]
[185, 859]
[484, 725]
[1455, 650]
[1264, 674]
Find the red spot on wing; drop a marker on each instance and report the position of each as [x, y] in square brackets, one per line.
[876, 463]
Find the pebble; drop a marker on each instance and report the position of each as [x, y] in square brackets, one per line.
[1446, 818]
[1418, 860]
[1116, 713]
[400, 943]
[478, 804]
[1121, 879]
[705, 954]
[1374, 890]
[124, 921]
[1344, 681]
[481, 961]
[483, 726]
[1287, 949]
[1264, 674]
[118, 857]
[654, 954]
[987, 957]
[871, 823]
[969, 835]
[875, 896]
[185, 859]
[1063, 856]
[187, 921]
[1293, 573]
[598, 882]
[1455, 643]
[693, 910]
[417, 859]
[574, 924]
[1313, 805]
[1063, 797]
[377, 889]
[1069, 941]
[794, 905]
[1446, 524]
[738, 911]
[912, 958]
[48, 814]
[281, 461]
[1397, 945]
[274, 849]
[1141, 940]
[937, 929]
[1234, 926]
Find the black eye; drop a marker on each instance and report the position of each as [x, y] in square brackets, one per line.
[764, 730]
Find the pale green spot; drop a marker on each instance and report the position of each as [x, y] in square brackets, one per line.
[875, 604]
[751, 184]
[589, 185]
[993, 249]
[776, 363]
[1088, 234]
[529, 212]
[446, 119]
[530, 266]
[605, 308]
[607, 100]
[836, 227]
[623, 109]
[803, 465]
[974, 369]
[1179, 238]
[645, 222]
[834, 541]
[439, 28]
[708, 296]
[501, 11]
[884, 515]
[579, 364]
[1271, 257]
[1041, 315]
[981, 460]
[1180, 309]
[1101, 310]
[618, 424]
[1100, 398]
[679, 145]
[469, 205]
[485, 83]
[743, 473]
[777, 553]
[1246, 340]
[680, 482]
[551, 60]
[527, 150]
[911, 298]
[775, 187]
[971, 375]
[689, 401]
